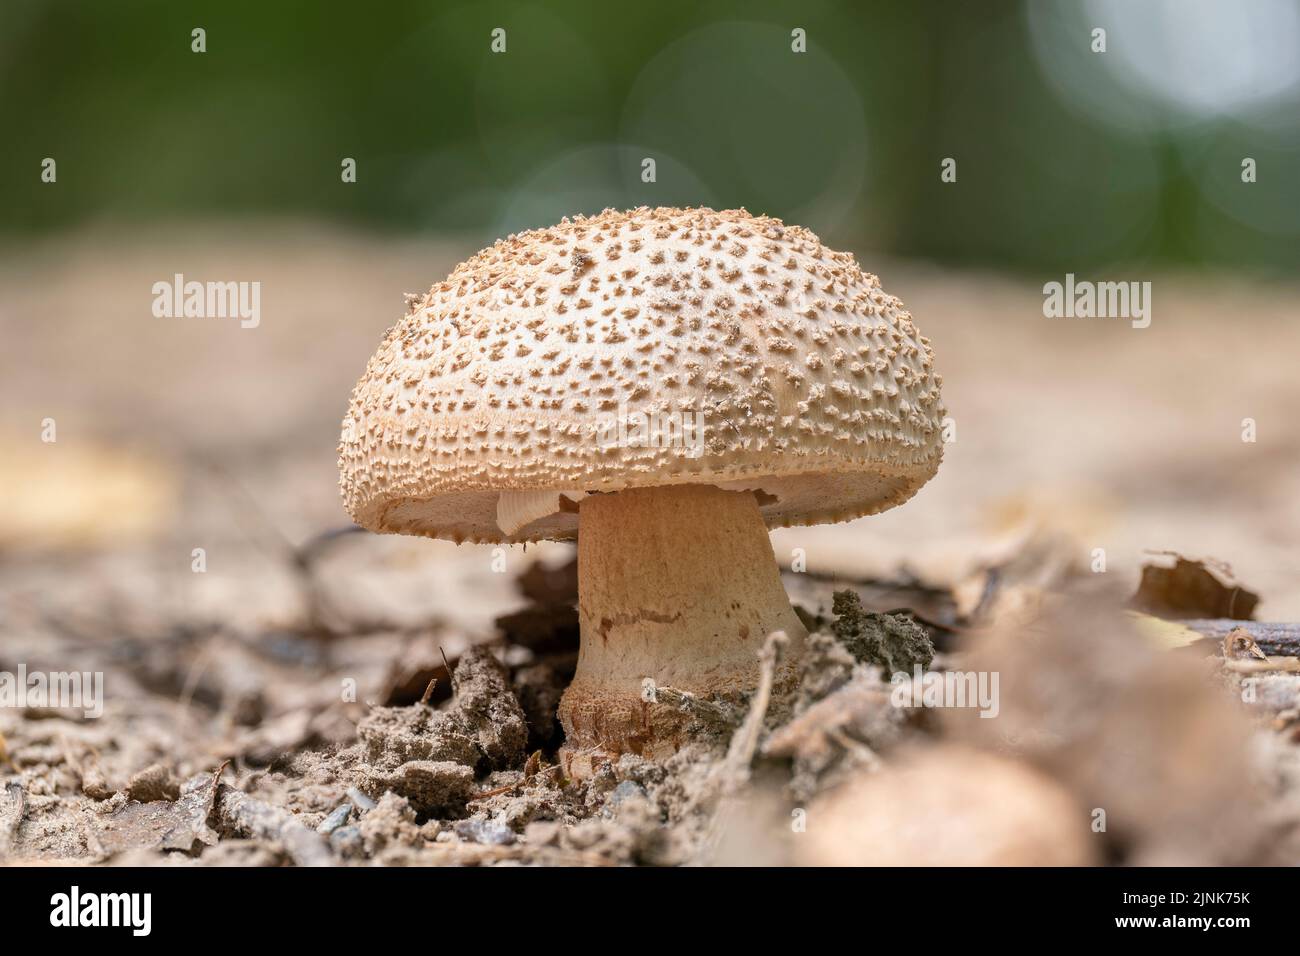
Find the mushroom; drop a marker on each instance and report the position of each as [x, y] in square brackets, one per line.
[664, 385]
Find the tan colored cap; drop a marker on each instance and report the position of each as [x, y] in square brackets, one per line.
[635, 349]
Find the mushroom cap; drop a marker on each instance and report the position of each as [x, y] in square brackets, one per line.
[642, 348]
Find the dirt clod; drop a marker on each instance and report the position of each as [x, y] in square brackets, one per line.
[155, 782]
[488, 708]
[390, 825]
[431, 786]
[394, 735]
[893, 642]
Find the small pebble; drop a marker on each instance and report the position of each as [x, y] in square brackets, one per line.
[360, 800]
[337, 818]
[626, 790]
[485, 831]
[347, 842]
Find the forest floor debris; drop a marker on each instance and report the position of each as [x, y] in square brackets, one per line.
[243, 753]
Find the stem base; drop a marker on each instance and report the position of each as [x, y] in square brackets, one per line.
[678, 584]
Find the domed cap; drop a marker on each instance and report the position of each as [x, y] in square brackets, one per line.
[641, 348]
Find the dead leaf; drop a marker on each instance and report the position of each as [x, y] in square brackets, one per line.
[533, 765]
[163, 824]
[1193, 589]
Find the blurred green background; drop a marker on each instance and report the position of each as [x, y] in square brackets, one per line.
[1066, 158]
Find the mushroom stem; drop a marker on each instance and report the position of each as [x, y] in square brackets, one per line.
[678, 584]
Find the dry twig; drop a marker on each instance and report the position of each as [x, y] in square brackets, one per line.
[1289, 665]
[745, 742]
